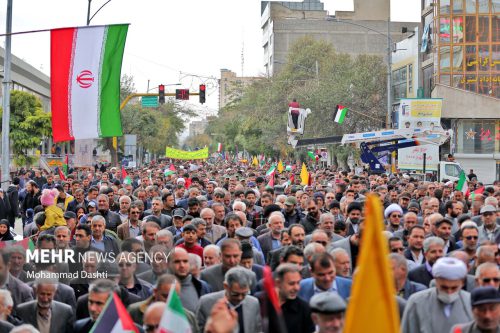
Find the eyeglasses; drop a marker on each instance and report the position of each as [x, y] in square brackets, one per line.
[135, 212]
[235, 294]
[311, 209]
[125, 264]
[150, 328]
[471, 237]
[488, 280]
[398, 249]
[398, 216]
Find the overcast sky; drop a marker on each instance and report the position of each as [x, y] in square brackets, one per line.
[169, 41]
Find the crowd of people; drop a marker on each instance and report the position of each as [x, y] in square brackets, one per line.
[208, 230]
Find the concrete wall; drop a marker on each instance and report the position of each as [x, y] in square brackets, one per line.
[458, 103]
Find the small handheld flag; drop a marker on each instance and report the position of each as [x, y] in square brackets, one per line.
[340, 113]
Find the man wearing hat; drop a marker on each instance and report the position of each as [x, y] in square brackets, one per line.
[177, 220]
[489, 230]
[244, 234]
[393, 214]
[328, 312]
[485, 303]
[291, 213]
[437, 309]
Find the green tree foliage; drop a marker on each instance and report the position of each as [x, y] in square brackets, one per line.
[29, 124]
[257, 120]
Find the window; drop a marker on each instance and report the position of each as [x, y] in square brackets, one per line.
[444, 7]
[410, 78]
[476, 136]
[399, 83]
[452, 170]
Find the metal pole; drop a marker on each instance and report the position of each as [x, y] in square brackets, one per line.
[88, 12]
[424, 166]
[317, 72]
[6, 102]
[389, 74]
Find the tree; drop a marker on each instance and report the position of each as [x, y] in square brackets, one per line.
[29, 124]
[256, 121]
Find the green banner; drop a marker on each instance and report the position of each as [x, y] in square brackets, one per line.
[186, 155]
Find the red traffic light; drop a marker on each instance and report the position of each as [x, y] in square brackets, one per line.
[161, 88]
[202, 87]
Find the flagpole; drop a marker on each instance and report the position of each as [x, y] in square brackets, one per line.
[6, 101]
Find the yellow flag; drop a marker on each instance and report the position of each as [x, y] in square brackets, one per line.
[255, 162]
[280, 166]
[304, 175]
[372, 306]
[115, 142]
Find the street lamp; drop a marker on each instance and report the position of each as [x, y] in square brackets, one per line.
[389, 60]
[89, 18]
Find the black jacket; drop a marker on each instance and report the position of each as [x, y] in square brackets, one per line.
[13, 195]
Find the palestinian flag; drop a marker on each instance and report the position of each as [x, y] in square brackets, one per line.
[219, 147]
[476, 192]
[25, 243]
[271, 178]
[114, 318]
[174, 318]
[125, 177]
[462, 183]
[340, 113]
[85, 81]
[66, 165]
[271, 170]
[61, 174]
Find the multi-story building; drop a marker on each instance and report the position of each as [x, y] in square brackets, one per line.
[462, 52]
[231, 86]
[362, 31]
[197, 127]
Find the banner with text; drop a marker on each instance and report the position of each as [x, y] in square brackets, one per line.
[177, 154]
[425, 114]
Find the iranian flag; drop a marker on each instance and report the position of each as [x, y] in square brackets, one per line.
[462, 183]
[271, 170]
[85, 81]
[340, 113]
[174, 318]
[219, 147]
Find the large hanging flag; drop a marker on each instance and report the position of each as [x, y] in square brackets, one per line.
[219, 147]
[372, 306]
[304, 175]
[114, 318]
[85, 81]
[280, 166]
[174, 317]
[462, 183]
[340, 113]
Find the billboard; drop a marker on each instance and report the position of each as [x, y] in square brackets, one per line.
[425, 114]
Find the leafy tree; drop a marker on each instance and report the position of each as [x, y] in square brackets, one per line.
[256, 120]
[29, 124]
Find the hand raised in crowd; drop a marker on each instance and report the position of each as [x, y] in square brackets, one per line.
[222, 318]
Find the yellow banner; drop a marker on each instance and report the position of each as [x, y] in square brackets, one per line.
[186, 155]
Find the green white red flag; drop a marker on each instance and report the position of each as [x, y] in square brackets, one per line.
[462, 183]
[85, 81]
[174, 318]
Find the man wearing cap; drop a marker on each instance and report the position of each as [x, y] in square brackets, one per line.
[328, 312]
[246, 234]
[490, 229]
[178, 223]
[291, 213]
[485, 302]
[437, 309]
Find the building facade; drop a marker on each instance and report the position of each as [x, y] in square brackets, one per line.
[352, 32]
[465, 46]
[231, 86]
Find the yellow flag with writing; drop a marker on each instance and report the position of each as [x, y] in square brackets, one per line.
[304, 175]
[280, 167]
[372, 306]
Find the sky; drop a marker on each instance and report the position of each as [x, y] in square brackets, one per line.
[169, 41]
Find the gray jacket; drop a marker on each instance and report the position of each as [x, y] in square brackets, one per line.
[251, 311]
[61, 320]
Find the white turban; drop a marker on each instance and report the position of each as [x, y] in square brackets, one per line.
[391, 209]
[449, 269]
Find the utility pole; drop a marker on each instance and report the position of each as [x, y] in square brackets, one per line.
[389, 74]
[6, 101]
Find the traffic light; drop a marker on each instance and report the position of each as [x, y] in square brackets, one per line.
[161, 94]
[202, 93]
